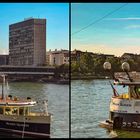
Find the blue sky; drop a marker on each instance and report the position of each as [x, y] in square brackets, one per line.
[114, 34]
[57, 15]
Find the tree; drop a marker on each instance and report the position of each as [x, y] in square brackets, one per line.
[98, 64]
[116, 63]
[87, 63]
[62, 70]
[74, 67]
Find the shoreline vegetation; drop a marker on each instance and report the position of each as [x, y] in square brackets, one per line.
[89, 65]
[40, 80]
[89, 77]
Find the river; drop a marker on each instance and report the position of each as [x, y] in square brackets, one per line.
[90, 105]
[58, 102]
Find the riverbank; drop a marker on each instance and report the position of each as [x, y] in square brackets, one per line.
[37, 79]
[89, 77]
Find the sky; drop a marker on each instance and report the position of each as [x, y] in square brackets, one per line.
[56, 14]
[114, 33]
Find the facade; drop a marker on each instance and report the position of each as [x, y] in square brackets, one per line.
[105, 56]
[4, 59]
[27, 42]
[57, 57]
[76, 55]
[127, 56]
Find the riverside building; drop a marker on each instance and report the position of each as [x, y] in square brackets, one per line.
[27, 42]
[57, 57]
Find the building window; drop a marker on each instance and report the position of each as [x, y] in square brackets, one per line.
[54, 60]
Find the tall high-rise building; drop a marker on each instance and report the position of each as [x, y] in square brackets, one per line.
[4, 59]
[27, 42]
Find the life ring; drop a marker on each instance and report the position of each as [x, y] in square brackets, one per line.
[124, 124]
[129, 124]
[134, 124]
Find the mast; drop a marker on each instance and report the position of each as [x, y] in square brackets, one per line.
[3, 83]
[2, 89]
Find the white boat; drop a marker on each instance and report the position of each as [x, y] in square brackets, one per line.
[124, 113]
[16, 117]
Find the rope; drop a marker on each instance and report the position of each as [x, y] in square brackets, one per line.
[23, 128]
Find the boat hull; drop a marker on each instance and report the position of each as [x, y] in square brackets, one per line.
[19, 129]
[126, 121]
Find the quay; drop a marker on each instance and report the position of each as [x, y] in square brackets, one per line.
[30, 73]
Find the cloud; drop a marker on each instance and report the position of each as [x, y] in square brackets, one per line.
[132, 27]
[124, 19]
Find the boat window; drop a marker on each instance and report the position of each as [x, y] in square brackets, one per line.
[1, 110]
[21, 111]
[26, 110]
[7, 111]
[137, 104]
[138, 89]
[14, 111]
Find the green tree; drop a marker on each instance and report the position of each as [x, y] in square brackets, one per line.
[98, 63]
[115, 63]
[86, 63]
[74, 67]
[62, 70]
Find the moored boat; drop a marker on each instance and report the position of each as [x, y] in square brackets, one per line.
[124, 113]
[17, 117]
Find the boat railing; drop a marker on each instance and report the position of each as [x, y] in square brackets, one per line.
[39, 114]
[122, 96]
[123, 76]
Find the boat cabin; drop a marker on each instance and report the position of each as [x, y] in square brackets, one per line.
[133, 86]
[133, 90]
[15, 106]
[14, 110]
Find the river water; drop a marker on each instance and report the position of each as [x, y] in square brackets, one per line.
[90, 105]
[58, 102]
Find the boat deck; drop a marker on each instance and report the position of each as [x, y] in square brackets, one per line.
[16, 101]
[126, 96]
[122, 96]
[106, 125]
